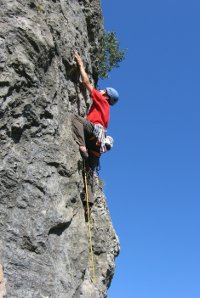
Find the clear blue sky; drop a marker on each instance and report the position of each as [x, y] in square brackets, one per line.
[152, 175]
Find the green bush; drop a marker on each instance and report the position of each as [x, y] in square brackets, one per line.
[110, 54]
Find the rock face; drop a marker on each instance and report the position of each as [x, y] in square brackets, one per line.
[44, 246]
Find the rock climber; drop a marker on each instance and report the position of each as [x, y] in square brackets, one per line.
[99, 112]
[91, 131]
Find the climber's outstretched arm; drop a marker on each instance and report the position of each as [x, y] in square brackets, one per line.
[84, 76]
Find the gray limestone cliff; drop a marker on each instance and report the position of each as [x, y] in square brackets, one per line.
[44, 246]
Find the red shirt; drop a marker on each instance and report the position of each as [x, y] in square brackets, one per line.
[99, 112]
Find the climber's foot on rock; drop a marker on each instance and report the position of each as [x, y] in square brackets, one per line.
[83, 152]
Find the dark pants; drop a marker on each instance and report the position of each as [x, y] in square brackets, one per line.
[83, 130]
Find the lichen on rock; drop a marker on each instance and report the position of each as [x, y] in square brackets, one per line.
[44, 247]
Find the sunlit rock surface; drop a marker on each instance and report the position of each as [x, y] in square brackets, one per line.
[44, 246]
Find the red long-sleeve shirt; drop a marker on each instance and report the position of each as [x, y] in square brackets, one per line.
[100, 109]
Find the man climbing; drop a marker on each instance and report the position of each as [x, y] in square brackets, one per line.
[99, 113]
[90, 132]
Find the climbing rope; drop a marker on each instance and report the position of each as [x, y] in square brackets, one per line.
[89, 225]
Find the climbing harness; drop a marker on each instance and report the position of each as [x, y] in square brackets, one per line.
[100, 133]
[89, 224]
[104, 142]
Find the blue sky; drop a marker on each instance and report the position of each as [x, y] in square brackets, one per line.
[152, 175]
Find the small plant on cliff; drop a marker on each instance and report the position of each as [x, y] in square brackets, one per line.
[110, 54]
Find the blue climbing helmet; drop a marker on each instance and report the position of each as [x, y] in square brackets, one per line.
[113, 94]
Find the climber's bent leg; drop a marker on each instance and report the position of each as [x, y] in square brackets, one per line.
[78, 130]
[82, 128]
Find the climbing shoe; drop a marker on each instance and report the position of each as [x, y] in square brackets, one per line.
[83, 152]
